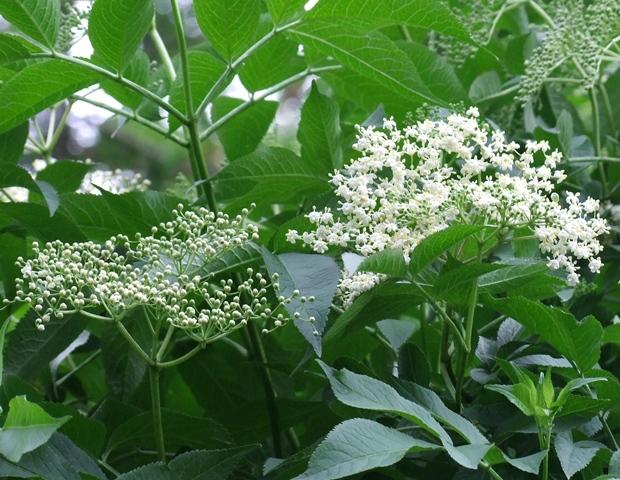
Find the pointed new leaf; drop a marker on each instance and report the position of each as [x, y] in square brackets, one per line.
[39, 19]
[116, 29]
[359, 445]
[39, 86]
[319, 131]
[230, 25]
[312, 275]
[27, 427]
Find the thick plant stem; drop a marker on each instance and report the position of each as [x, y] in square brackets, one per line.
[158, 425]
[469, 329]
[199, 169]
[270, 392]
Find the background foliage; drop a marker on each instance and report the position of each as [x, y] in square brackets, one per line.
[224, 103]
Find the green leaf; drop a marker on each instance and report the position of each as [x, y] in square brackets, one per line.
[419, 14]
[39, 86]
[39, 19]
[312, 275]
[319, 131]
[614, 463]
[269, 175]
[284, 9]
[65, 175]
[574, 456]
[579, 342]
[611, 334]
[364, 392]
[565, 132]
[14, 176]
[14, 50]
[235, 259]
[359, 445]
[36, 220]
[204, 71]
[137, 70]
[244, 132]
[575, 384]
[230, 25]
[390, 262]
[370, 54]
[12, 144]
[101, 216]
[58, 459]
[529, 464]
[116, 29]
[519, 395]
[509, 277]
[194, 465]
[26, 428]
[5, 325]
[455, 283]
[29, 351]
[397, 332]
[272, 63]
[437, 243]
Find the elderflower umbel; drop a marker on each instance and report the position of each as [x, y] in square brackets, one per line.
[409, 183]
[166, 272]
[114, 181]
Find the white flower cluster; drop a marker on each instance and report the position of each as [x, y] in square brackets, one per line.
[352, 285]
[409, 183]
[163, 273]
[114, 181]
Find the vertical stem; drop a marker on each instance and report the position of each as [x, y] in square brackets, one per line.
[270, 392]
[547, 447]
[195, 149]
[596, 127]
[162, 51]
[158, 426]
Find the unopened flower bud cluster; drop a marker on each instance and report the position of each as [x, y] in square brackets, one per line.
[409, 183]
[114, 181]
[162, 272]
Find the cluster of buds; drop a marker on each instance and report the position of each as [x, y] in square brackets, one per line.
[164, 273]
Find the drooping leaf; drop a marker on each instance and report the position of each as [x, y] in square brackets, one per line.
[574, 456]
[65, 175]
[529, 463]
[397, 332]
[319, 131]
[242, 134]
[27, 427]
[204, 71]
[370, 54]
[230, 26]
[437, 243]
[579, 342]
[313, 275]
[116, 29]
[39, 19]
[12, 144]
[39, 86]
[359, 445]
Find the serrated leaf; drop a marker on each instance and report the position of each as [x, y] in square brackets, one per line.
[390, 262]
[579, 342]
[508, 277]
[27, 427]
[242, 134]
[437, 243]
[204, 71]
[370, 54]
[39, 19]
[39, 86]
[574, 456]
[519, 395]
[230, 25]
[319, 131]
[359, 445]
[236, 258]
[116, 29]
[194, 465]
[418, 14]
[313, 275]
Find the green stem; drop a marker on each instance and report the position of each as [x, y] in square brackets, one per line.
[162, 51]
[492, 473]
[257, 98]
[164, 345]
[132, 342]
[118, 79]
[158, 425]
[547, 447]
[270, 393]
[183, 358]
[191, 130]
[596, 126]
[78, 367]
